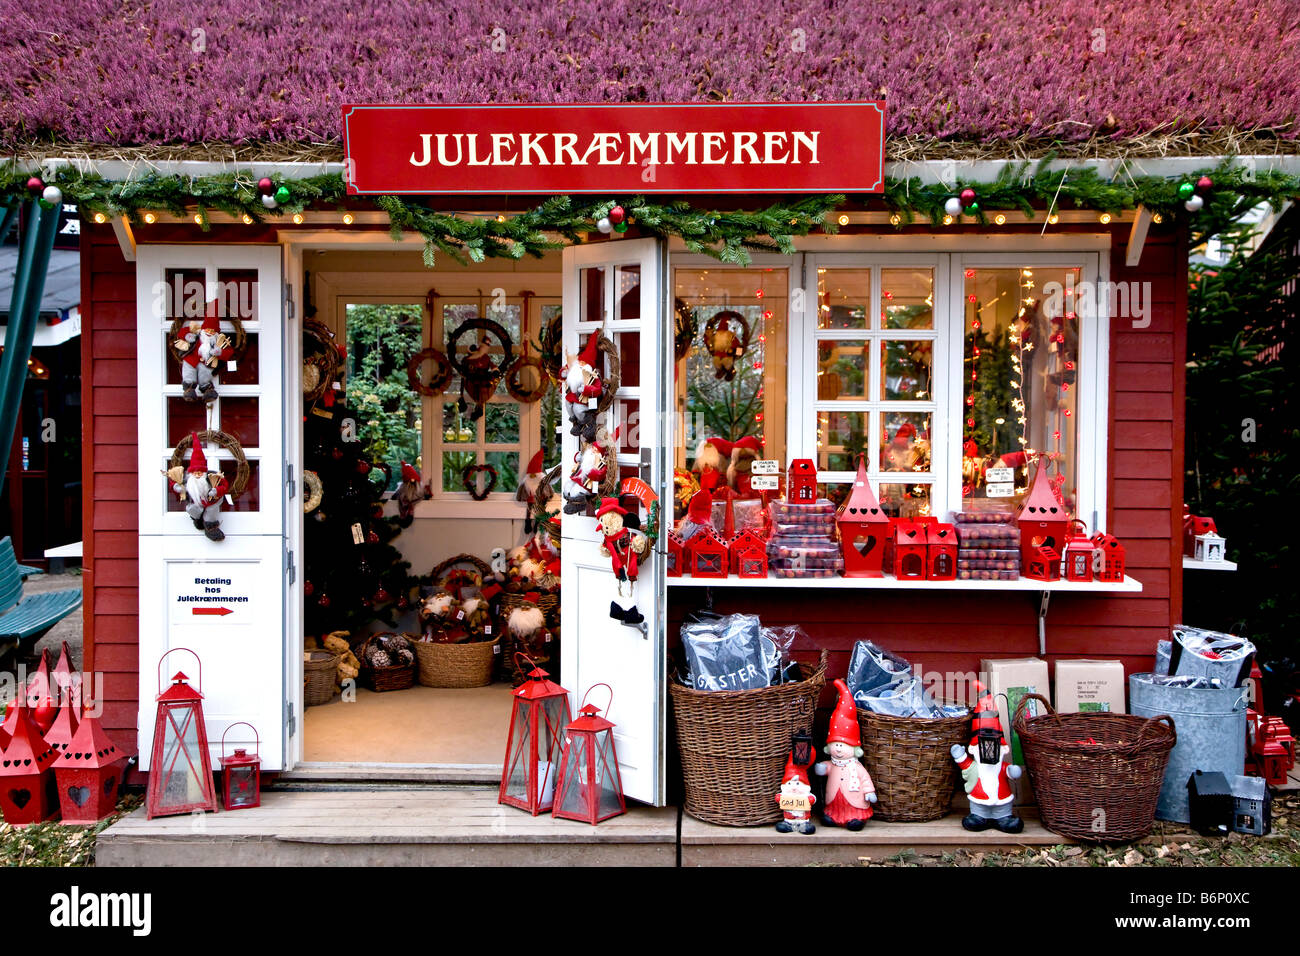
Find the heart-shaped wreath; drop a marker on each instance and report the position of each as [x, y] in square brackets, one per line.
[469, 478]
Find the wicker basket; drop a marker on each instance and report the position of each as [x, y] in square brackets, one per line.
[1080, 763]
[380, 679]
[734, 745]
[319, 670]
[455, 665]
[910, 763]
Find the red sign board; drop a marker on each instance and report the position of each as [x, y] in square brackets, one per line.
[616, 148]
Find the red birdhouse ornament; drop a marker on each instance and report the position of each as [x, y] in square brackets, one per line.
[748, 554]
[1078, 553]
[1043, 564]
[941, 552]
[801, 482]
[1107, 558]
[26, 773]
[1193, 527]
[1043, 519]
[708, 555]
[589, 788]
[910, 543]
[180, 767]
[535, 743]
[863, 526]
[89, 773]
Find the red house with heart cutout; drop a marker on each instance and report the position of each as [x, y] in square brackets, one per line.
[863, 528]
[1044, 521]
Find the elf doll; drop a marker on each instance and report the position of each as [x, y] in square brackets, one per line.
[582, 389]
[849, 790]
[202, 491]
[986, 773]
[202, 347]
[795, 800]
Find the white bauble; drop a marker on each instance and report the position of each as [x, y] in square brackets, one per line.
[1194, 204]
[604, 225]
[269, 202]
[53, 195]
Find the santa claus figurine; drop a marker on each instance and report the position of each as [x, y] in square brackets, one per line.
[723, 347]
[849, 790]
[589, 471]
[986, 773]
[202, 491]
[743, 454]
[202, 347]
[712, 459]
[795, 800]
[582, 389]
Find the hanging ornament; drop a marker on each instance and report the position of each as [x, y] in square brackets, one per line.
[282, 195]
[363, 467]
[1194, 204]
[265, 186]
[953, 206]
[617, 215]
[323, 600]
[372, 537]
[269, 202]
[972, 208]
[308, 589]
[967, 196]
[35, 185]
[604, 225]
[1204, 184]
[52, 195]
[1185, 191]
[620, 227]
[382, 596]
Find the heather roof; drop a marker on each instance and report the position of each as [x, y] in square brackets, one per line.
[1005, 74]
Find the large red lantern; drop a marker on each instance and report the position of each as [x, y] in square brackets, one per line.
[40, 696]
[589, 787]
[180, 768]
[26, 777]
[89, 773]
[67, 685]
[537, 722]
[241, 774]
[64, 728]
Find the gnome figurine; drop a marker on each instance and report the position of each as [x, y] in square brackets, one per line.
[202, 491]
[795, 800]
[986, 774]
[582, 389]
[849, 790]
[202, 347]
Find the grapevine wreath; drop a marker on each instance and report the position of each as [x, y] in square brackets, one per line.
[478, 375]
[228, 442]
[322, 361]
[723, 342]
[315, 492]
[437, 383]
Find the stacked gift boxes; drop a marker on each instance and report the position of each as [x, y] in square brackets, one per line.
[803, 542]
[989, 546]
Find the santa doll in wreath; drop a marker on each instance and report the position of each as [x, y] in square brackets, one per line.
[583, 389]
[590, 471]
[202, 347]
[849, 790]
[202, 492]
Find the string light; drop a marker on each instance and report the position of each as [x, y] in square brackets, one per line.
[1157, 218]
[247, 219]
[1000, 219]
[297, 219]
[844, 220]
[198, 219]
[1105, 218]
[895, 219]
[947, 220]
[1053, 219]
[150, 218]
[347, 219]
[100, 218]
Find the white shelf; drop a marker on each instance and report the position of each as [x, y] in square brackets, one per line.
[1193, 564]
[889, 582]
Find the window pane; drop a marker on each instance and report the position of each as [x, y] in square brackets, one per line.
[184, 419]
[454, 464]
[456, 426]
[239, 418]
[629, 358]
[592, 308]
[841, 437]
[381, 338]
[842, 369]
[237, 294]
[627, 289]
[1020, 374]
[507, 465]
[905, 370]
[904, 501]
[905, 442]
[501, 423]
[844, 298]
[186, 293]
[907, 298]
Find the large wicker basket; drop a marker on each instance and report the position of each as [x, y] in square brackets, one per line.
[734, 745]
[455, 665]
[319, 670]
[380, 679]
[1083, 763]
[910, 762]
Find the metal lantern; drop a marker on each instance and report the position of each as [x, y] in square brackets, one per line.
[180, 768]
[589, 787]
[537, 722]
[26, 777]
[241, 775]
[89, 773]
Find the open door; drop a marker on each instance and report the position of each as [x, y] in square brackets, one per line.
[618, 288]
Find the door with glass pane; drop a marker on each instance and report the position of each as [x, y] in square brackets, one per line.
[615, 288]
[874, 380]
[225, 600]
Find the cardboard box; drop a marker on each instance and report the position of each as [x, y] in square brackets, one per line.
[1084, 685]
[1008, 681]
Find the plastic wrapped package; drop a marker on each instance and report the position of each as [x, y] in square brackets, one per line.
[818, 525]
[784, 510]
[982, 536]
[1200, 652]
[971, 575]
[727, 653]
[883, 683]
[990, 564]
[989, 554]
[1000, 516]
[778, 642]
[746, 513]
[1164, 650]
[871, 666]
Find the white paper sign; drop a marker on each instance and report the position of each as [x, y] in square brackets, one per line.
[999, 475]
[765, 466]
[212, 593]
[1000, 489]
[764, 482]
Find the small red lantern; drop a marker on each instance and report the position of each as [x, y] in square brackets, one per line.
[864, 527]
[180, 767]
[1108, 558]
[676, 563]
[26, 775]
[241, 774]
[1078, 553]
[801, 482]
[89, 773]
[909, 549]
[1043, 520]
[589, 788]
[941, 552]
[537, 722]
[708, 557]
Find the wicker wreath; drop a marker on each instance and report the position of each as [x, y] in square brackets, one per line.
[610, 377]
[684, 329]
[732, 318]
[231, 444]
[241, 339]
[323, 365]
[441, 377]
[550, 343]
[438, 576]
[315, 492]
[515, 375]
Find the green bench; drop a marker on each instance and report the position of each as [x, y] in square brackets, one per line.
[23, 620]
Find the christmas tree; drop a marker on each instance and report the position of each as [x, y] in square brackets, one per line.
[352, 574]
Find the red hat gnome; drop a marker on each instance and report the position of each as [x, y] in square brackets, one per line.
[712, 459]
[849, 790]
[985, 772]
[583, 388]
[408, 492]
[795, 800]
[201, 490]
[202, 347]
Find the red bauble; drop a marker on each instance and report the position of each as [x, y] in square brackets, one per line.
[35, 186]
[324, 600]
[365, 603]
[617, 215]
[403, 604]
[265, 186]
[336, 453]
[308, 588]
[1204, 184]
[967, 196]
[363, 467]
[373, 537]
[378, 512]
[382, 596]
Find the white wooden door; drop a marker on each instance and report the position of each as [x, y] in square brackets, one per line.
[224, 600]
[618, 288]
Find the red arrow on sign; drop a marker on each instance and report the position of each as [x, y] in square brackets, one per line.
[212, 610]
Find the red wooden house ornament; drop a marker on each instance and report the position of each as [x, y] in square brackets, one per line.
[27, 773]
[89, 773]
[707, 555]
[864, 526]
[909, 550]
[941, 552]
[1043, 564]
[749, 554]
[1043, 519]
[801, 483]
[1107, 558]
[676, 562]
[1194, 525]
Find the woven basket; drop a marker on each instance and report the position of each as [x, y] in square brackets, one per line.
[910, 763]
[1120, 774]
[380, 679]
[319, 670]
[455, 665]
[734, 744]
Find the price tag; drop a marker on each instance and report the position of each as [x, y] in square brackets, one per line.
[547, 639]
[487, 628]
[357, 535]
[739, 351]
[336, 386]
[765, 466]
[230, 365]
[795, 803]
[999, 475]
[460, 614]
[496, 648]
[764, 482]
[1000, 489]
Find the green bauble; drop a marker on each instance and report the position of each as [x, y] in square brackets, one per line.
[1185, 190]
[620, 226]
[282, 195]
[972, 209]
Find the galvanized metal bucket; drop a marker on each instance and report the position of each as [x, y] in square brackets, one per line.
[1211, 724]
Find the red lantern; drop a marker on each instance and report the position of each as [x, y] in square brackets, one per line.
[537, 722]
[1078, 553]
[801, 482]
[1044, 523]
[707, 553]
[64, 728]
[39, 696]
[941, 552]
[241, 775]
[864, 527]
[589, 788]
[89, 773]
[180, 768]
[26, 777]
